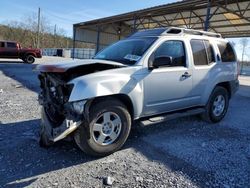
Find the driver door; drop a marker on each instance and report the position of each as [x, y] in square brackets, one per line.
[169, 87]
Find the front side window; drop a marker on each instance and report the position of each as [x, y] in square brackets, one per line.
[199, 52]
[226, 51]
[11, 45]
[174, 49]
[1, 44]
[127, 51]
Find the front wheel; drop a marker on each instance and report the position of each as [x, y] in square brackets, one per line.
[29, 59]
[44, 140]
[217, 105]
[108, 129]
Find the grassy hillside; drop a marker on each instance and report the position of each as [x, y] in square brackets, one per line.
[28, 38]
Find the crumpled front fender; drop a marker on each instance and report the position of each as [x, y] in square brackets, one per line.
[84, 89]
[125, 81]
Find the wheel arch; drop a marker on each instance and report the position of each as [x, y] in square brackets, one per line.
[227, 86]
[209, 90]
[28, 53]
[123, 98]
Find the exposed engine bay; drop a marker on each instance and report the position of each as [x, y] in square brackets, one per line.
[55, 93]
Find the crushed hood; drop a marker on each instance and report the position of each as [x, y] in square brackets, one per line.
[61, 67]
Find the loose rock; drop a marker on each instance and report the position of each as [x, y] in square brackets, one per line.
[108, 180]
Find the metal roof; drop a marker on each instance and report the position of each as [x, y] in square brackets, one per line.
[231, 18]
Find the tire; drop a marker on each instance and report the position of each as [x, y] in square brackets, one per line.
[44, 139]
[29, 59]
[90, 138]
[215, 111]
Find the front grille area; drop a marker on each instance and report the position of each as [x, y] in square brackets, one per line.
[53, 96]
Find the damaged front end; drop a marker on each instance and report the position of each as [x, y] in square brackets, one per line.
[59, 117]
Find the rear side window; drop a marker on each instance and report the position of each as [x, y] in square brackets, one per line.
[174, 49]
[1, 44]
[226, 51]
[210, 52]
[11, 45]
[203, 53]
[199, 52]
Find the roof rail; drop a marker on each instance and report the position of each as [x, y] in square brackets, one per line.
[178, 30]
[173, 30]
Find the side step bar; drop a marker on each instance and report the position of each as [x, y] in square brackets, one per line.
[170, 116]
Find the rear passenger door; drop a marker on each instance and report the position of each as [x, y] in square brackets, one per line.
[203, 62]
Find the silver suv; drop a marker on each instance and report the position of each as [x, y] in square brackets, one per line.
[154, 74]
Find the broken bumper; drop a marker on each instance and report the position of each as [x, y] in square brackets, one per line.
[60, 132]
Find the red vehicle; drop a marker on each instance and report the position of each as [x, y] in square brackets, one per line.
[10, 49]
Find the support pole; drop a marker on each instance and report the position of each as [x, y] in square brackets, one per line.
[38, 28]
[74, 41]
[134, 29]
[207, 22]
[98, 40]
[55, 36]
[119, 31]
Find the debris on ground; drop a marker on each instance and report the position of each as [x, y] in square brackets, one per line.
[19, 86]
[108, 180]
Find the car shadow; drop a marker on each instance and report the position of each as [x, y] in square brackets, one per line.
[22, 73]
[202, 152]
[11, 62]
[21, 157]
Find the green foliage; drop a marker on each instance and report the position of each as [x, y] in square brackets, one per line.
[28, 38]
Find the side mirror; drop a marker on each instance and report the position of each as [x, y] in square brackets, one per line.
[162, 61]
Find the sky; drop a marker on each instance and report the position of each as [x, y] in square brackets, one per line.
[64, 13]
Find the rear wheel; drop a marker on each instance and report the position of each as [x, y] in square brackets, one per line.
[29, 59]
[109, 127]
[217, 105]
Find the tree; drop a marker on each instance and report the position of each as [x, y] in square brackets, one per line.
[25, 32]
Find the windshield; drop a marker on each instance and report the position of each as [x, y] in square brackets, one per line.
[127, 51]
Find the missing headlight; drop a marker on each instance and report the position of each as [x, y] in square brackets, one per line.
[78, 106]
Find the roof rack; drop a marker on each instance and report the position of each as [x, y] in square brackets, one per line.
[178, 30]
[173, 30]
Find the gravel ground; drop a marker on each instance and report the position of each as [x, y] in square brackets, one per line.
[186, 152]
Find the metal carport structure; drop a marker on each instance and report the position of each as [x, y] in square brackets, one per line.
[230, 18]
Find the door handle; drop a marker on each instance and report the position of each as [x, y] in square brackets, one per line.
[186, 75]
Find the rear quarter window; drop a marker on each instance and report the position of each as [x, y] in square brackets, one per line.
[199, 52]
[226, 51]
